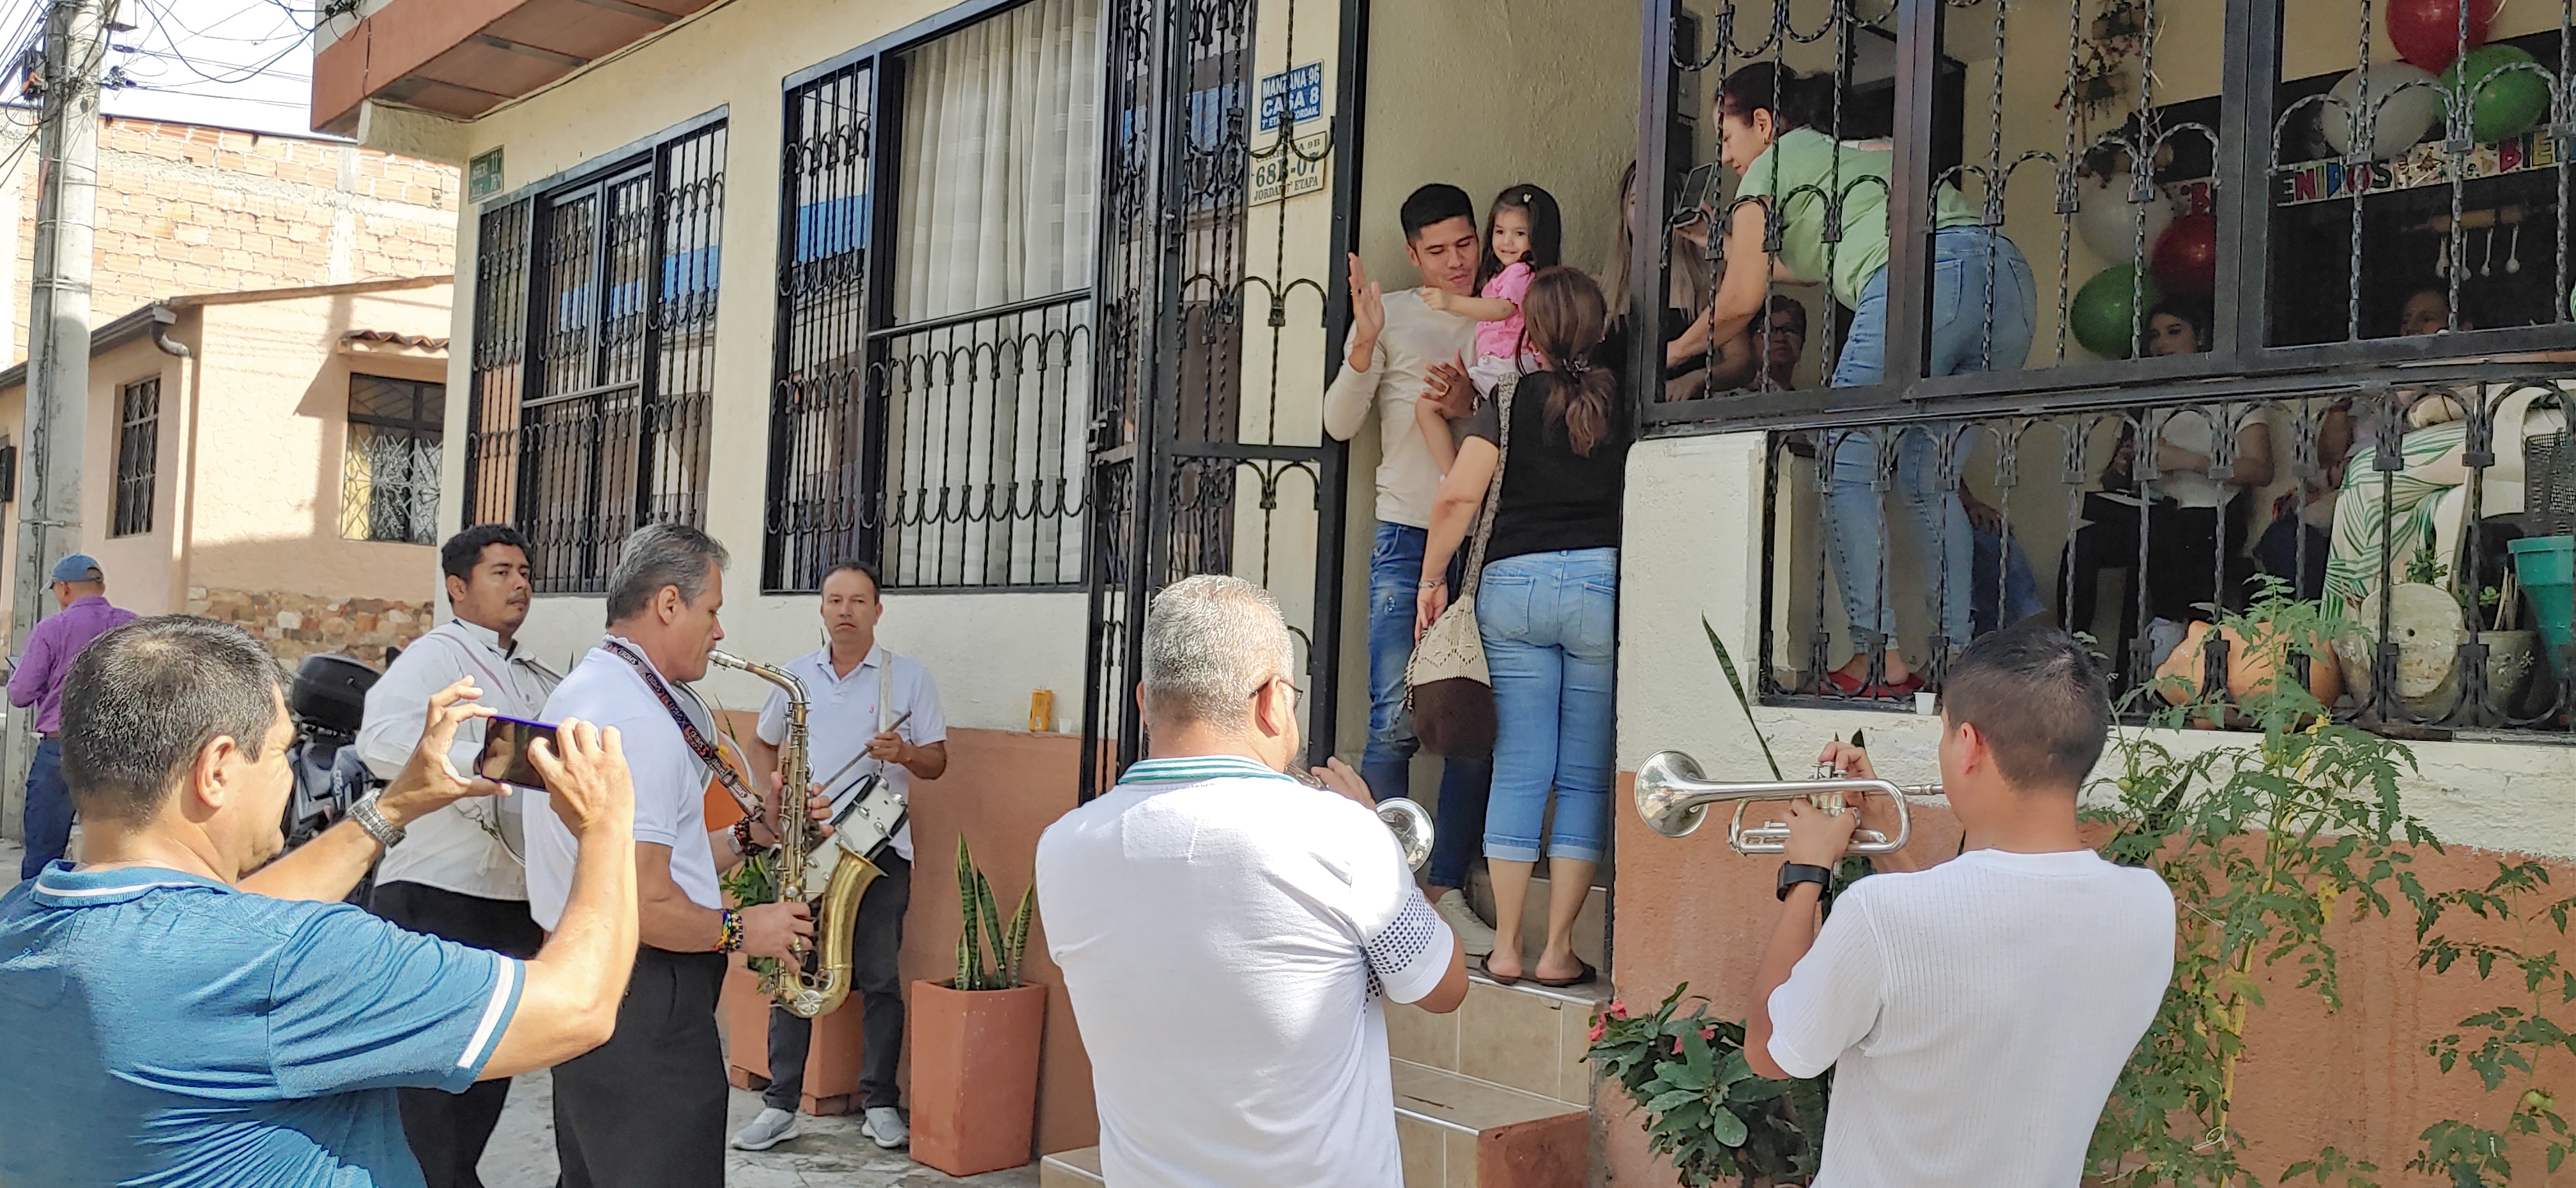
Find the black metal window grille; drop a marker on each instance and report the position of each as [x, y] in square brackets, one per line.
[594, 354]
[934, 321]
[389, 473]
[2316, 188]
[8, 469]
[2294, 311]
[138, 452]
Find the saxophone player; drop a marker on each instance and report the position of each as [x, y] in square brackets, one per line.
[647, 1108]
[875, 713]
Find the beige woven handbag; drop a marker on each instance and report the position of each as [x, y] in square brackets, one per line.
[1449, 691]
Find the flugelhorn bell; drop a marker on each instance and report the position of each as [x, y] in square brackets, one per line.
[1411, 826]
[1673, 798]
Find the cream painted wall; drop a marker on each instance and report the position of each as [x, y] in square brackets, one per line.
[1482, 94]
[1686, 495]
[272, 405]
[142, 571]
[987, 651]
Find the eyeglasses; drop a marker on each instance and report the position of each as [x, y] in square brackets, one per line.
[1296, 696]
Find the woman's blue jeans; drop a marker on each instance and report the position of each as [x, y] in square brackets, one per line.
[1395, 576]
[1973, 269]
[1550, 626]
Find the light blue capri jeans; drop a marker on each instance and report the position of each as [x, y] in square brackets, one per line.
[1550, 622]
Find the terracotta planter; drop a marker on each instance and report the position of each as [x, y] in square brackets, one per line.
[2249, 669]
[975, 1076]
[832, 1060]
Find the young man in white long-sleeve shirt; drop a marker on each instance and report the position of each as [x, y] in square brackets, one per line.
[452, 876]
[1975, 1013]
[1400, 348]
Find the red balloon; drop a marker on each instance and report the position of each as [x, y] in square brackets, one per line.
[2427, 32]
[2186, 256]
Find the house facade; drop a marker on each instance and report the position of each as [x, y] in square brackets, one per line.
[1033, 302]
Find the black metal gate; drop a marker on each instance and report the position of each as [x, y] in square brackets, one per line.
[1193, 467]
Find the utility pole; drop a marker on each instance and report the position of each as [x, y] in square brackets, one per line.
[57, 398]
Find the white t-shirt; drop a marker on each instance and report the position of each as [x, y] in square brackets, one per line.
[452, 849]
[2191, 488]
[670, 783]
[841, 715]
[1225, 935]
[1975, 1015]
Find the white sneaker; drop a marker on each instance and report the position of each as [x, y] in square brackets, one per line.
[772, 1127]
[1474, 935]
[885, 1125]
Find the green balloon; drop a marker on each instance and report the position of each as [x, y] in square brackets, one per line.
[2102, 315]
[2509, 103]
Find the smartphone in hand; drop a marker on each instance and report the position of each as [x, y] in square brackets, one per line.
[506, 742]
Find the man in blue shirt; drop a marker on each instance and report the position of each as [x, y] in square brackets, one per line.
[177, 1009]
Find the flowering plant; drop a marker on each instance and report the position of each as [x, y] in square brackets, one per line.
[1707, 1111]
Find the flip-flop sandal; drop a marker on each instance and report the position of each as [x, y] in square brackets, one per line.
[1580, 979]
[1484, 965]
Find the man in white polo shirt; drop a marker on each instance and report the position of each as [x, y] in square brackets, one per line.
[453, 877]
[1227, 932]
[1975, 1013]
[874, 713]
[647, 1109]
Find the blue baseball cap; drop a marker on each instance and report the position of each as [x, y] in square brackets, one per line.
[78, 567]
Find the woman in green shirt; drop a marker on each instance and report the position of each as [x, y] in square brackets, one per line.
[1984, 306]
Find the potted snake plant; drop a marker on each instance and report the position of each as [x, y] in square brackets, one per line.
[975, 1041]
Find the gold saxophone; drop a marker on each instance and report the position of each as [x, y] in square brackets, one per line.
[836, 911]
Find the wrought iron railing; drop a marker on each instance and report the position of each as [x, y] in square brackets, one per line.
[985, 433]
[2275, 177]
[389, 485]
[594, 355]
[2428, 528]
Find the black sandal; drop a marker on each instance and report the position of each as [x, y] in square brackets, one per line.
[1580, 979]
[1485, 966]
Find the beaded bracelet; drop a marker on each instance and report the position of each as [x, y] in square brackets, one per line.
[742, 837]
[729, 934]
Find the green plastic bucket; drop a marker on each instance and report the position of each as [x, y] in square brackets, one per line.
[2546, 567]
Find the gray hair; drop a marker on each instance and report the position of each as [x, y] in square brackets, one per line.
[659, 555]
[1210, 642]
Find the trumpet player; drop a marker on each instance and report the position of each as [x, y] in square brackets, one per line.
[873, 713]
[1977, 1012]
[1229, 936]
[647, 1109]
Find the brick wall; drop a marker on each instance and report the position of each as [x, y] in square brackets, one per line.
[299, 625]
[188, 209]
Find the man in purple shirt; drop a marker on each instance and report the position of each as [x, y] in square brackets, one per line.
[81, 591]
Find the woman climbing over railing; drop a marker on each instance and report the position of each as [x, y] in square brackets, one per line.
[1775, 130]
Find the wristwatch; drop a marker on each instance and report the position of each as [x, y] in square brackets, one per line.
[365, 814]
[1794, 873]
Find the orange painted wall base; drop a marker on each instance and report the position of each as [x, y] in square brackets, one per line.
[1691, 910]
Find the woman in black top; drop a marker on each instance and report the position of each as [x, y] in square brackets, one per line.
[1547, 608]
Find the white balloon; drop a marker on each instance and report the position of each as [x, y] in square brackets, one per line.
[2108, 222]
[2404, 115]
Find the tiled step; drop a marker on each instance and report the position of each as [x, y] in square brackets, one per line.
[1460, 1132]
[1589, 924]
[1070, 1169]
[1525, 1037]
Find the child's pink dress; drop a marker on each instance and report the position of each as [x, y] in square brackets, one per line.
[1499, 354]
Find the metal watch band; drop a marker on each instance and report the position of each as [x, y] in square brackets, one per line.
[365, 814]
[1794, 873]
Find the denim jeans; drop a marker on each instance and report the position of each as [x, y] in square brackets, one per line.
[1395, 579]
[1550, 625]
[49, 809]
[1972, 268]
[2000, 604]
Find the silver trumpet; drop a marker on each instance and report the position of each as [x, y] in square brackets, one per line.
[1673, 797]
[1412, 828]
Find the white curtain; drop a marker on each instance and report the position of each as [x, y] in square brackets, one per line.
[995, 206]
[1000, 161]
